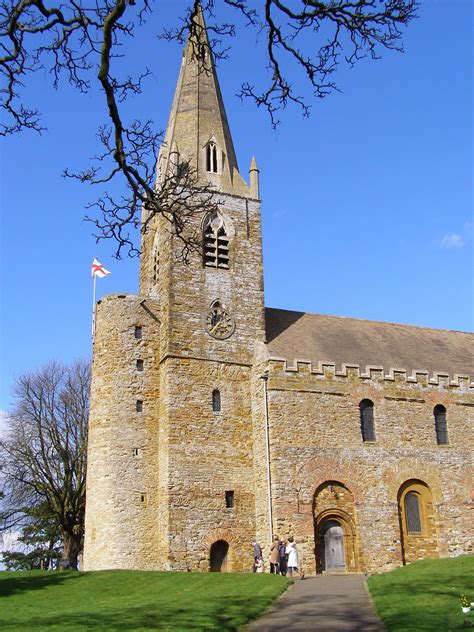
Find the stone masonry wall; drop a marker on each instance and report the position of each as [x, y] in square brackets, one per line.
[122, 508]
[315, 437]
[208, 453]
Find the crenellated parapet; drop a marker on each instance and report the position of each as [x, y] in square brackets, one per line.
[329, 371]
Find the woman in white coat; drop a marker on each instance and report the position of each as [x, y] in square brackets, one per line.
[292, 555]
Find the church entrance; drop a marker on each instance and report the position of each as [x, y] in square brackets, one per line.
[332, 545]
[336, 545]
[218, 556]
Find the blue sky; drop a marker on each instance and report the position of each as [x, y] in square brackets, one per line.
[366, 205]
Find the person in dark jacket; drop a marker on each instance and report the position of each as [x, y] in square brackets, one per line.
[257, 555]
[282, 553]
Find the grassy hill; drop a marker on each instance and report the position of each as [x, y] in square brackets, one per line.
[133, 600]
[424, 596]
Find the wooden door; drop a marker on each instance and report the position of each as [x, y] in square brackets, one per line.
[334, 547]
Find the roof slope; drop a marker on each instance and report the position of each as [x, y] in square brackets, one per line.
[296, 335]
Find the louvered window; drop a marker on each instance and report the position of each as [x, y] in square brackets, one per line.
[366, 408]
[441, 425]
[412, 513]
[216, 401]
[216, 243]
[211, 157]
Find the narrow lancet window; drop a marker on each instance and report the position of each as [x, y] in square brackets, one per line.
[229, 499]
[216, 242]
[211, 157]
[216, 401]
[366, 408]
[441, 425]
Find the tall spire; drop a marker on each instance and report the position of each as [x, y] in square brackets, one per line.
[197, 127]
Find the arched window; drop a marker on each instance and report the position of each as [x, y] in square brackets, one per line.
[412, 513]
[216, 242]
[417, 513]
[216, 401]
[211, 157]
[367, 429]
[441, 426]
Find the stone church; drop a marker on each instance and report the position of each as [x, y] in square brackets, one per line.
[215, 420]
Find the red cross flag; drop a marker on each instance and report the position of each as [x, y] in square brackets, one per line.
[98, 269]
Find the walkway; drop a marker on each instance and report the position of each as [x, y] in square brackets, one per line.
[329, 603]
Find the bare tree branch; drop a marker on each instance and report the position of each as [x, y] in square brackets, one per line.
[302, 37]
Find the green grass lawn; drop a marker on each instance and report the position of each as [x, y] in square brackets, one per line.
[425, 595]
[133, 600]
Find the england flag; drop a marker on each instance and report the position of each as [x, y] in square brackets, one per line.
[98, 269]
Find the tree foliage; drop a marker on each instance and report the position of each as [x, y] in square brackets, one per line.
[43, 459]
[81, 40]
[39, 543]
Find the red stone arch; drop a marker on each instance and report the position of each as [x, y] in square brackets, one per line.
[333, 504]
[368, 392]
[221, 534]
[411, 468]
[319, 470]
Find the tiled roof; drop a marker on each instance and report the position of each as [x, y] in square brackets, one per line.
[296, 335]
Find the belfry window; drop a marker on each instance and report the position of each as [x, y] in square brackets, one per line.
[367, 429]
[211, 157]
[216, 242]
[441, 426]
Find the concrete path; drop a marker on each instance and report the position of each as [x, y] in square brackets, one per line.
[329, 603]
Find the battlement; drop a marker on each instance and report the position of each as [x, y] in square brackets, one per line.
[329, 370]
[120, 296]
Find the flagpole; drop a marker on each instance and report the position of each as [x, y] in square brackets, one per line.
[93, 306]
[97, 270]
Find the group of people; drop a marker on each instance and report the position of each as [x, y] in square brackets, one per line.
[283, 557]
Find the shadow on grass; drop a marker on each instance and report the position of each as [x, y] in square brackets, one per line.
[225, 617]
[12, 583]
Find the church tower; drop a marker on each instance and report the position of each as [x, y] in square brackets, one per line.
[171, 459]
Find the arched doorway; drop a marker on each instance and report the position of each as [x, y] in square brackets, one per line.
[331, 545]
[417, 516]
[336, 545]
[218, 556]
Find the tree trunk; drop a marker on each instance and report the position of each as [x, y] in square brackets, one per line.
[71, 550]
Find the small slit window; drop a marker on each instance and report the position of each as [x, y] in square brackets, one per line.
[441, 425]
[216, 401]
[216, 242]
[412, 512]
[139, 405]
[229, 499]
[138, 332]
[139, 365]
[211, 157]
[367, 429]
